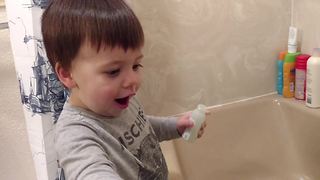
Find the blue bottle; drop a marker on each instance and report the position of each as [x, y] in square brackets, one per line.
[280, 71]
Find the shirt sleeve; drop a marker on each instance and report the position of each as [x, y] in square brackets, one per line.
[164, 127]
[81, 156]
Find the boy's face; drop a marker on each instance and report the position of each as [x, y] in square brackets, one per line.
[105, 80]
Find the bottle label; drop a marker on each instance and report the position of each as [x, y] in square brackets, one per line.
[291, 86]
[186, 135]
[309, 81]
[309, 99]
[288, 79]
[300, 84]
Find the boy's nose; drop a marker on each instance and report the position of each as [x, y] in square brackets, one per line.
[132, 81]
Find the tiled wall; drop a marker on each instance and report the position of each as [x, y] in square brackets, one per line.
[209, 51]
[306, 18]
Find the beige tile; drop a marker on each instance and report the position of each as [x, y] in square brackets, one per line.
[306, 18]
[209, 51]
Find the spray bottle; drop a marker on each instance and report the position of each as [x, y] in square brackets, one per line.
[197, 117]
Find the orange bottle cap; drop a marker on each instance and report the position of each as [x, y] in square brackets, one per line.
[282, 55]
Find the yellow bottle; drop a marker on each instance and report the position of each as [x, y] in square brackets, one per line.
[289, 75]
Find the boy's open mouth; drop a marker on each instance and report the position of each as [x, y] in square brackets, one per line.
[123, 102]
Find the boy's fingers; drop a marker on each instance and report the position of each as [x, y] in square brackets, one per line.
[201, 131]
[200, 134]
[204, 124]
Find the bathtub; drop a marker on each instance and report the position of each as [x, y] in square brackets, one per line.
[265, 138]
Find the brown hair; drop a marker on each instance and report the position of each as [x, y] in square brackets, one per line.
[67, 24]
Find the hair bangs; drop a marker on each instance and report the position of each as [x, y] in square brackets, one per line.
[116, 26]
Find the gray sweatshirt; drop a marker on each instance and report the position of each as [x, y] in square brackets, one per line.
[93, 147]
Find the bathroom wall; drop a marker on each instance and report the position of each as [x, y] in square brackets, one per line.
[306, 16]
[209, 51]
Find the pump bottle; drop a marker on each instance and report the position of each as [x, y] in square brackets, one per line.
[198, 117]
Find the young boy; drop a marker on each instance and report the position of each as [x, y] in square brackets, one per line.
[102, 132]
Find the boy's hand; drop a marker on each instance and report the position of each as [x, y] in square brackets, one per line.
[184, 122]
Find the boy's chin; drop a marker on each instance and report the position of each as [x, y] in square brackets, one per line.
[113, 114]
[113, 111]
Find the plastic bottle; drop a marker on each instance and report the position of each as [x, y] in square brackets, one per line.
[313, 80]
[289, 74]
[280, 71]
[300, 82]
[197, 116]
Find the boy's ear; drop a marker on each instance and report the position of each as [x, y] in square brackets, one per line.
[65, 76]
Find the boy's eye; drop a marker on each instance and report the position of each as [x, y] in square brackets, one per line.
[137, 66]
[113, 73]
